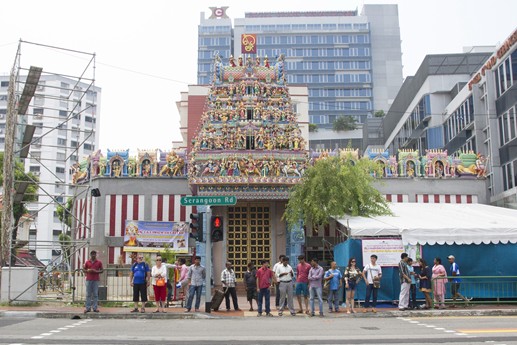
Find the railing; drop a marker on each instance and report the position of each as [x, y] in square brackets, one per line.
[114, 286]
[60, 286]
[482, 289]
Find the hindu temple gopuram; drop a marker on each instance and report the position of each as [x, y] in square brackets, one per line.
[251, 142]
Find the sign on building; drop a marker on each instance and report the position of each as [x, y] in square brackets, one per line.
[152, 237]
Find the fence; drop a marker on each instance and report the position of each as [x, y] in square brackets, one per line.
[115, 287]
[494, 289]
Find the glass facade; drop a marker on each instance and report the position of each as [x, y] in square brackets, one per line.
[332, 58]
[212, 39]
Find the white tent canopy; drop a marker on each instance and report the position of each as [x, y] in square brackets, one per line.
[439, 224]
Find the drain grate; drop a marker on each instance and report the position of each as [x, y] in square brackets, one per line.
[371, 328]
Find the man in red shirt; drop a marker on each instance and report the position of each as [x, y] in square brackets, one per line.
[302, 283]
[265, 279]
[93, 268]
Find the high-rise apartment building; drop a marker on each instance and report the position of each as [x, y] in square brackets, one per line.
[350, 61]
[65, 114]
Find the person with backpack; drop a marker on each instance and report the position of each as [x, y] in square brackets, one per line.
[140, 279]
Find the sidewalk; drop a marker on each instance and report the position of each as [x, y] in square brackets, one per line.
[59, 310]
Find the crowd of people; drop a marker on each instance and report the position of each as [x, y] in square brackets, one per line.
[306, 283]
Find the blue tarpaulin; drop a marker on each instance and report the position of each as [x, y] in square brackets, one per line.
[474, 260]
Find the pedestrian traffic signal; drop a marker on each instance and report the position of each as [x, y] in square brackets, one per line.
[216, 229]
[196, 226]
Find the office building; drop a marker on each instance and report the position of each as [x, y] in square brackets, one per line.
[350, 61]
[464, 103]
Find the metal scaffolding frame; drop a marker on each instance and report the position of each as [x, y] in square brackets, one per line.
[25, 83]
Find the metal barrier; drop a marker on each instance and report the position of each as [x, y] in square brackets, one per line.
[114, 286]
[483, 289]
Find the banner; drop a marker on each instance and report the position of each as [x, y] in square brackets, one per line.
[388, 251]
[148, 237]
[249, 44]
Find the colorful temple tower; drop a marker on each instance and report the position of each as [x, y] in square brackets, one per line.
[250, 145]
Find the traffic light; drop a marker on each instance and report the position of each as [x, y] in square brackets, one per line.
[216, 230]
[196, 226]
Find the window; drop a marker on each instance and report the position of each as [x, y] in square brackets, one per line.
[4, 84]
[34, 168]
[60, 170]
[39, 100]
[61, 142]
[37, 111]
[88, 147]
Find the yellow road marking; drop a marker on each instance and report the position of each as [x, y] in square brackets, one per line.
[493, 330]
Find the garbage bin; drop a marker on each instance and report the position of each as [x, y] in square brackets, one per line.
[103, 293]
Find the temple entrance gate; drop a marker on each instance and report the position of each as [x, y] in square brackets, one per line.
[248, 235]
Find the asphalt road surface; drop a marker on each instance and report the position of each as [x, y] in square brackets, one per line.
[271, 331]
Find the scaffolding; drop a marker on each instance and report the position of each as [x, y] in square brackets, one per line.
[55, 100]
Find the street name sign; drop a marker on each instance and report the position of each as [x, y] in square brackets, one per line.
[208, 200]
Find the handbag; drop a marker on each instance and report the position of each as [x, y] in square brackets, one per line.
[376, 280]
[160, 282]
[376, 283]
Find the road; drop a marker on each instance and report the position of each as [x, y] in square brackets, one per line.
[270, 331]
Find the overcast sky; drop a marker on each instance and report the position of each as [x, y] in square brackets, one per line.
[146, 50]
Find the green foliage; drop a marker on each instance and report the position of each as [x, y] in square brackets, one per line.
[19, 209]
[168, 254]
[64, 213]
[333, 188]
[313, 127]
[344, 123]
[65, 240]
[379, 113]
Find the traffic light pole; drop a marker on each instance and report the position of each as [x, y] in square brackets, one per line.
[208, 256]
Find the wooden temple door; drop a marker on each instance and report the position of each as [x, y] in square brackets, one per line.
[248, 236]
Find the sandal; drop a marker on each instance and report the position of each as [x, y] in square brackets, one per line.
[134, 310]
[156, 311]
[142, 310]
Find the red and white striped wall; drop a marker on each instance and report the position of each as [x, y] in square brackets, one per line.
[83, 218]
[119, 208]
[397, 198]
[446, 199]
[167, 208]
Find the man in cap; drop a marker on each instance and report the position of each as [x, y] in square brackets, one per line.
[455, 282]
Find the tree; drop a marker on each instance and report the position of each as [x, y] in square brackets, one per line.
[344, 123]
[333, 188]
[64, 213]
[313, 127]
[379, 113]
[19, 208]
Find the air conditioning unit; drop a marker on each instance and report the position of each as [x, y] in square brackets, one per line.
[2, 116]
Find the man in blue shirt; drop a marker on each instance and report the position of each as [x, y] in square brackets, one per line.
[455, 282]
[333, 278]
[140, 278]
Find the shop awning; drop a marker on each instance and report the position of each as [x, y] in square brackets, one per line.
[439, 224]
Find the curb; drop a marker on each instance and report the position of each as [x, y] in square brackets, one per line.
[204, 316]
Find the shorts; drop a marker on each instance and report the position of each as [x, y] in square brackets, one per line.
[455, 288]
[251, 294]
[140, 290]
[351, 285]
[302, 289]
